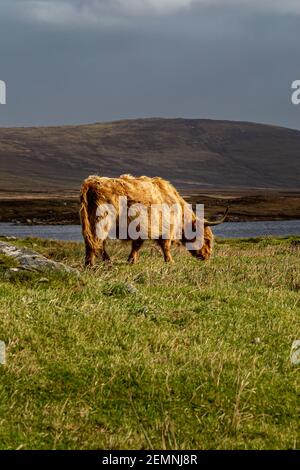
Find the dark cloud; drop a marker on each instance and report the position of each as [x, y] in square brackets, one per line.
[229, 61]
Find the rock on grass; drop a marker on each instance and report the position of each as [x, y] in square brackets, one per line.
[31, 260]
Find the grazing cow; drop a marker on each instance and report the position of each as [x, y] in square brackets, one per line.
[105, 193]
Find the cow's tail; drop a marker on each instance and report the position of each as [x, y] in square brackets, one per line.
[87, 214]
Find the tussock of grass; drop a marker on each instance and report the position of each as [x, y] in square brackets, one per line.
[6, 263]
[195, 356]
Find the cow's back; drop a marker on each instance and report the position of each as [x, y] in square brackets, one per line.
[143, 190]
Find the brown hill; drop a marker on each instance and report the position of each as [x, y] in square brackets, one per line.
[192, 153]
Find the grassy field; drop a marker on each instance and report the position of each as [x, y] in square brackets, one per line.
[183, 356]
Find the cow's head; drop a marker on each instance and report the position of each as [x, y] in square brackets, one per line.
[206, 249]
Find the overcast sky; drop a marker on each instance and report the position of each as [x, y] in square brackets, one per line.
[81, 61]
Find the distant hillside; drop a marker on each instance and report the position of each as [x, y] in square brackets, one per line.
[192, 153]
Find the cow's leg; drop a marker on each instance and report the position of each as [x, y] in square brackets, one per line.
[104, 254]
[134, 254]
[90, 256]
[166, 249]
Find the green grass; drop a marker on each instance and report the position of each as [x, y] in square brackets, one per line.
[153, 355]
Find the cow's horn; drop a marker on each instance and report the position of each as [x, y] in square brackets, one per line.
[209, 223]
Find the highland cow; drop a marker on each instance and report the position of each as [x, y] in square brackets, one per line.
[101, 214]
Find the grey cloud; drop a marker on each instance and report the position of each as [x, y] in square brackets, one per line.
[222, 62]
[109, 13]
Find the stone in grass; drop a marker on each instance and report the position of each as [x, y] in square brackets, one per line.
[256, 340]
[32, 261]
[2, 353]
[120, 289]
[295, 353]
[132, 289]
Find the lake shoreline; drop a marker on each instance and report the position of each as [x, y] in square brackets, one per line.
[253, 229]
[244, 206]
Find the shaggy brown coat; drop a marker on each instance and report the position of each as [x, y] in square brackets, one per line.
[97, 190]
